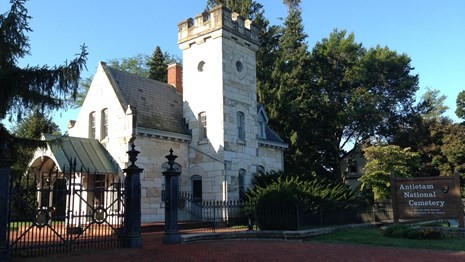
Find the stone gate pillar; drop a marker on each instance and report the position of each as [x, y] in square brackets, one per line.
[171, 201]
[132, 212]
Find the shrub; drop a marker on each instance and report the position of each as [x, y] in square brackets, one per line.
[396, 230]
[275, 199]
[430, 233]
[404, 231]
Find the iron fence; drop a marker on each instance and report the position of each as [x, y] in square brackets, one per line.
[218, 216]
[63, 211]
[211, 216]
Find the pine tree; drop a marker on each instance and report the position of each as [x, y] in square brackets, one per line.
[24, 88]
[158, 66]
[290, 79]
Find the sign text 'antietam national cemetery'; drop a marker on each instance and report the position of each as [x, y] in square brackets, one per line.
[427, 198]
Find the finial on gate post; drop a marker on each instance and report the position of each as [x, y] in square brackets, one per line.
[133, 155]
[171, 159]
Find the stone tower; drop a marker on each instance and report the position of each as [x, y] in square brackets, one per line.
[220, 105]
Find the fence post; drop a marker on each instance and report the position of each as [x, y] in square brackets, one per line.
[5, 173]
[171, 235]
[132, 213]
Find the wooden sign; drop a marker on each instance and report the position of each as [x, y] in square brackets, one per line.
[427, 198]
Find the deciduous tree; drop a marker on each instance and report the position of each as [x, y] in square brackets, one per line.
[385, 161]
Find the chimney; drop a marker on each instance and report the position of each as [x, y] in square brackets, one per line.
[71, 124]
[175, 76]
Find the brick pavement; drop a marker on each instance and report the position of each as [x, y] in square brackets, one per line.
[251, 250]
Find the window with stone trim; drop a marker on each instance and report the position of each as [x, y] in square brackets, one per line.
[92, 127]
[202, 126]
[240, 125]
[104, 124]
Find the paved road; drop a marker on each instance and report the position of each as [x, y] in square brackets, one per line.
[251, 250]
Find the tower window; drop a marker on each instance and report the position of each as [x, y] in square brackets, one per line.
[239, 66]
[92, 127]
[104, 123]
[201, 66]
[240, 125]
[202, 126]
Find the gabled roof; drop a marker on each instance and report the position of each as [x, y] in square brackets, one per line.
[89, 154]
[157, 105]
[270, 134]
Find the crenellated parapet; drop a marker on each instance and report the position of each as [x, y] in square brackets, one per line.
[219, 21]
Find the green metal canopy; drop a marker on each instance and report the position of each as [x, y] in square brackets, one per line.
[88, 154]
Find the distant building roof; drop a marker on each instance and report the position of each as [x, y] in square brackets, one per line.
[157, 104]
[88, 154]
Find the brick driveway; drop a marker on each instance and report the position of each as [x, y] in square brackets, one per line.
[252, 250]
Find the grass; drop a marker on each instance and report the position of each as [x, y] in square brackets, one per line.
[374, 236]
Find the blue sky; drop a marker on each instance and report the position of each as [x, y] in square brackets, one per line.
[431, 32]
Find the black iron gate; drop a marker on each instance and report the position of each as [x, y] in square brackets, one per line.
[57, 211]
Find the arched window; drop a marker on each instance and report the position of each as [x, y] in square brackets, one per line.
[240, 125]
[202, 126]
[104, 124]
[260, 170]
[241, 175]
[92, 127]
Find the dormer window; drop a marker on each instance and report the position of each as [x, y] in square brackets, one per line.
[92, 127]
[353, 166]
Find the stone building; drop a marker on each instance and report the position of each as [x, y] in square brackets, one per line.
[207, 113]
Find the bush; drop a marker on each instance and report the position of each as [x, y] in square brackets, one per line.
[404, 231]
[275, 199]
[396, 230]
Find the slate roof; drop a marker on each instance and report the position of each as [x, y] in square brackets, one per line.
[157, 104]
[270, 134]
[89, 154]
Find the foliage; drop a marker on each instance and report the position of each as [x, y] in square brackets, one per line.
[412, 232]
[280, 191]
[245, 8]
[24, 88]
[30, 129]
[158, 66]
[288, 80]
[384, 162]
[460, 103]
[431, 105]
[279, 188]
[40, 87]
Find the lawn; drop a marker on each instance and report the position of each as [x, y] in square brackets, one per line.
[374, 236]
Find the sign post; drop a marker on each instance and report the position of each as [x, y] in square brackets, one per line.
[427, 198]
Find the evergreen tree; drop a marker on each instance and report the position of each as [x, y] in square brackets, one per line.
[290, 78]
[460, 102]
[24, 88]
[30, 128]
[158, 66]
[245, 8]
